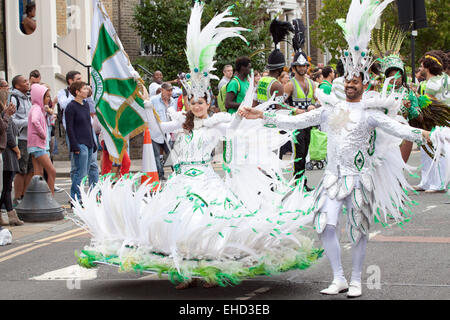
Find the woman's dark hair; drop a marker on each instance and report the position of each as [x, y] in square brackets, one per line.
[188, 125]
[76, 86]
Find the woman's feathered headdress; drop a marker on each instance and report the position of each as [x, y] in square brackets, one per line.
[361, 18]
[201, 46]
[386, 45]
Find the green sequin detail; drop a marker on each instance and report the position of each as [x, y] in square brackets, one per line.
[373, 138]
[359, 160]
[193, 172]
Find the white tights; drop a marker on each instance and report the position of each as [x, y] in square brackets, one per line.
[330, 242]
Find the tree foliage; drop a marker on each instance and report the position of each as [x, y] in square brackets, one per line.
[325, 33]
[164, 22]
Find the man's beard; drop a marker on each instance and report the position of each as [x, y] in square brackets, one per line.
[302, 72]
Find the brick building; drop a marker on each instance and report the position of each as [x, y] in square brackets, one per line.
[66, 23]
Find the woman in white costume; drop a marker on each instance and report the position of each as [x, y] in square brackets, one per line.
[198, 225]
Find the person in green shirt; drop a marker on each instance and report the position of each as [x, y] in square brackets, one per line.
[238, 86]
[328, 77]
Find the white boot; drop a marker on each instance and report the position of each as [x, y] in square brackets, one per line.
[354, 290]
[337, 286]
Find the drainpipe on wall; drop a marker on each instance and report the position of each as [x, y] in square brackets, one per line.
[5, 55]
[307, 26]
[119, 17]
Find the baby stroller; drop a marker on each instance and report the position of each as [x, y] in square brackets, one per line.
[317, 150]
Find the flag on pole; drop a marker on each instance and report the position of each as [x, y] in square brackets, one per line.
[117, 88]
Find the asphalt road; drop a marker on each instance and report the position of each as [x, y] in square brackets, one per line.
[413, 263]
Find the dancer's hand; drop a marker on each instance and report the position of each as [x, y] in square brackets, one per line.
[250, 113]
[426, 135]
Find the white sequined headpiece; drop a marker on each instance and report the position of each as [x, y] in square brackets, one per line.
[201, 46]
[361, 18]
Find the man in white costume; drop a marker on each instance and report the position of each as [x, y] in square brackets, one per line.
[364, 170]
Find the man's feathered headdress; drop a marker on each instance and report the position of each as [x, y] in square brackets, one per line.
[201, 46]
[361, 18]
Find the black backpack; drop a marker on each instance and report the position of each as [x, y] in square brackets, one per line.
[17, 100]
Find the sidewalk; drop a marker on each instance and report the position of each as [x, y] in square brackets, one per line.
[32, 231]
[63, 167]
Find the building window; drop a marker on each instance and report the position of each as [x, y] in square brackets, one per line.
[150, 50]
[27, 16]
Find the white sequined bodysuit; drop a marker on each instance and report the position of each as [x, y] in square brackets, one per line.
[352, 159]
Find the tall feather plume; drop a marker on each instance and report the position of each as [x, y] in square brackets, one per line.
[299, 35]
[361, 18]
[280, 30]
[382, 47]
[201, 46]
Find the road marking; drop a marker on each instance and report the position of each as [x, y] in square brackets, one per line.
[429, 208]
[415, 239]
[16, 249]
[374, 234]
[24, 251]
[59, 235]
[71, 236]
[74, 272]
[33, 246]
[254, 293]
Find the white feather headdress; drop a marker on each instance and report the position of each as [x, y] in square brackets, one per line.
[361, 18]
[201, 46]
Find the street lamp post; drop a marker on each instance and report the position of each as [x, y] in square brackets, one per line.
[307, 26]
